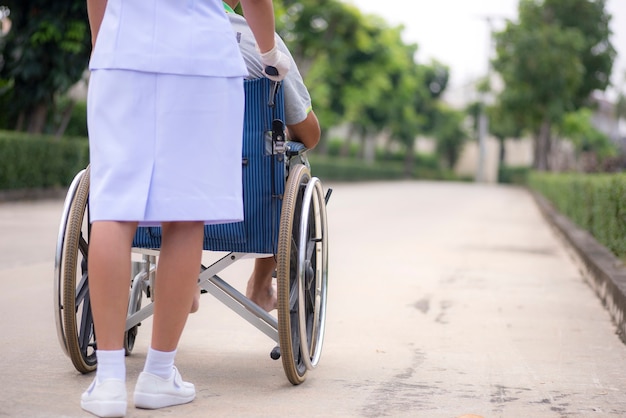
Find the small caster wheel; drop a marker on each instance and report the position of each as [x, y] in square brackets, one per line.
[275, 354]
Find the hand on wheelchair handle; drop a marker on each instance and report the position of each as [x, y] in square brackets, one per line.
[276, 64]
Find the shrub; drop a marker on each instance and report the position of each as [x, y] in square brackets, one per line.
[39, 161]
[595, 202]
[513, 175]
[350, 169]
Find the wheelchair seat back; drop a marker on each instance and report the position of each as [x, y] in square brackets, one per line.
[263, 182]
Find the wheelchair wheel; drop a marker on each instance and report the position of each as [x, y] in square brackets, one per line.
[302, 270]
[77, 318]
[58, 261]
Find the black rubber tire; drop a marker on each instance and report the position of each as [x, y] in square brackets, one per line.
[77, 316]
[302, 264]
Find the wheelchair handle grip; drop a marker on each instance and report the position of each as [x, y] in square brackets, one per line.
[271, 70]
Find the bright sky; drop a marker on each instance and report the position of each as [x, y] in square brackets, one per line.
[456, 33]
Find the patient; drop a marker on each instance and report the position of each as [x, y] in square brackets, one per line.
[302, 126]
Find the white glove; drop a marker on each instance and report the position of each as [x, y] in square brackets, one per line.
[278, 61]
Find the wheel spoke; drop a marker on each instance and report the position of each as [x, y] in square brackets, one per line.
[293, 278]
[86, 326]
[83, 247]
[82, 290]
[310, 274]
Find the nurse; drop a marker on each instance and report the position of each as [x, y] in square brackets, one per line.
[165, 118]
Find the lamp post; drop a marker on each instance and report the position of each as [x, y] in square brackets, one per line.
[483, 120]
[485, 98]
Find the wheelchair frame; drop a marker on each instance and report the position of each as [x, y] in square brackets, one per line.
[302, 270]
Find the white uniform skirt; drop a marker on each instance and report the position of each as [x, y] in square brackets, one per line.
[165, 147]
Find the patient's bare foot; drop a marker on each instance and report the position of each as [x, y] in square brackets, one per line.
[195, 305]
[265, 297]
[261, 288]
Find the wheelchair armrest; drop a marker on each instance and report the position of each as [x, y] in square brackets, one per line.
[294, 148]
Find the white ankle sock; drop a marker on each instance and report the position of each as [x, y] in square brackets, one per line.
[111, 364]
[160, 363]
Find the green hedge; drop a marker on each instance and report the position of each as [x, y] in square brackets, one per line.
[39, 161]
[513, 174]
[350, 169]
[595, 202]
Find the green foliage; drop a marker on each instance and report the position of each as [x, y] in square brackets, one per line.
[387, 165]
[5, 102]
[502, 125]
[598, 54]
[578, 127]
[350, 169]
[421, 161]
[43, 55]
[360, 71]
[38, 161]
[596, 203]
[77, 125]
[336, 145]
[450, 134]
[357, 67]
[540, 65]
[550, 62]
[513, 175]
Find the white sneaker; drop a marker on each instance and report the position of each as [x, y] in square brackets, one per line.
[153, 392]
[106, 398]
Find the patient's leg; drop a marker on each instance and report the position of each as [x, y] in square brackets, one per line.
[261, 290]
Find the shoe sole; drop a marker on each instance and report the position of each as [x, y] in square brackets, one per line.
[105, 409]
[156, 401]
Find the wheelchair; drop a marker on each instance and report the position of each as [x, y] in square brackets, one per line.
[285, 216]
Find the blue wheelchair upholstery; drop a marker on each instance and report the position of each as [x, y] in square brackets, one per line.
[263, 183]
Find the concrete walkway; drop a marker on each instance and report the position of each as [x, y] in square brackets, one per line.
[445, 299]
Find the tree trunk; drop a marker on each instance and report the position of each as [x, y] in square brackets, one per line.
[344, 151]
[502, 154]
[65, 120]
[37, 119]
[368, 146]
[19, 123]
[362, 142]
[542, 147]
[369, 149]
[409, 162]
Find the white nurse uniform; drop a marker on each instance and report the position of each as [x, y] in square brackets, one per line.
[165, 114]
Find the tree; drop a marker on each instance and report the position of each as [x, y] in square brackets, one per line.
[391, 79]
[502, 126]
[360, 72]
[415, 109]
[597, 54]
[587, 139]
[550, 62]
[321, 35]
[44, 54]
[449, 134]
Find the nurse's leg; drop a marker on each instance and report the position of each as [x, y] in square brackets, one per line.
[160, 384]
[109, 283]
[109, 280]
[176, 281]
